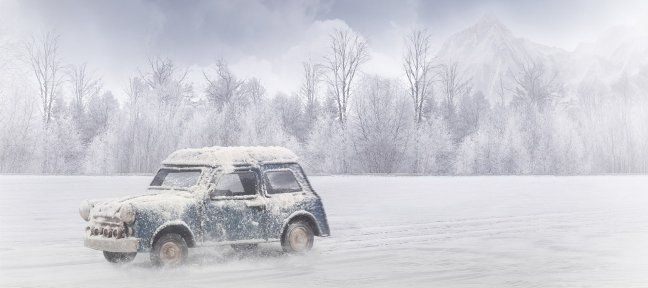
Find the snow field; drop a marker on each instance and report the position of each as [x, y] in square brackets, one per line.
[386, 232]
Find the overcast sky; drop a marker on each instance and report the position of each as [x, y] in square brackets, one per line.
[270, 39]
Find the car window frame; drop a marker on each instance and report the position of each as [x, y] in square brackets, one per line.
[256, 194]
[267, 186]
[187, 168]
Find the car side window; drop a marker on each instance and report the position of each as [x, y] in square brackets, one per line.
[236, 184]
[282, 181]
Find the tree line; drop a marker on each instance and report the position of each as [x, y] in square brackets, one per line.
[342, 120]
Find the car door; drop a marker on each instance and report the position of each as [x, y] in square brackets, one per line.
[287, 192]
[235, 207]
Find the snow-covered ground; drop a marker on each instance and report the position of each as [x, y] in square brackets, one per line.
[387, 231]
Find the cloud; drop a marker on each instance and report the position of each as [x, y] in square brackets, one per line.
[270, 38]
[190, 31]
[116, 37]
[283, 72]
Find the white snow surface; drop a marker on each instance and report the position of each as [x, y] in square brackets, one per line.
[227, 156]
[386, 232]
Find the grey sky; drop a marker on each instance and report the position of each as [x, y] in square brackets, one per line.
[269, 39]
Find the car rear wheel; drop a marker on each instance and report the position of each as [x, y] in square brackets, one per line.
[298, 237]
[170, 250]
[119, 257]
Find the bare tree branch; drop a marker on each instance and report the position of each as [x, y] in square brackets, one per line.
[418, 70]
[312, 74]
[535, 87]
[348, 52]
[223, 89]
[452, 86]
[83, 86]
[45, 63]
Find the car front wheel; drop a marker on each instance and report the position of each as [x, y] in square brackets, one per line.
[169, 250]
[298, 237]
[119, 257]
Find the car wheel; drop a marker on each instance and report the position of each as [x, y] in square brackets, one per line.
[244, 248]
[119, 257]
[298, 237]
[170, 250]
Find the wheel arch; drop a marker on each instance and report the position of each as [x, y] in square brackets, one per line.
[303, 216]
[179, 227]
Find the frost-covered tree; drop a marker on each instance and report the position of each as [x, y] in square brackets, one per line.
[418, 66]
[83, 87]
[432, 152]
[348, 51]
[380, 125]
[536, 87]
[101, 109]
[292, 115]
[530, 120]
[155, 116]
[310, 85]
[253, 90]
[43, 57]
[256, 123]
[59, 144]
[536, 97]
[20, 133]
[223, 87]
[453, 85]
[309, 91]
[326, 150]
[473, 110]
[620, 121]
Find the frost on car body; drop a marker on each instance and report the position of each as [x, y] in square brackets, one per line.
[223, 195]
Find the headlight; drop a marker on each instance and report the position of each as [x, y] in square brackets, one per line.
[84, 210]
[127, 213]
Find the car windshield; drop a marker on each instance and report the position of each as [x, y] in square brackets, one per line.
[176, 178]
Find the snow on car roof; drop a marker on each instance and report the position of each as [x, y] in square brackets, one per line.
[227, 156]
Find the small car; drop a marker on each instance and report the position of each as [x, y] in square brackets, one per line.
[239, 196]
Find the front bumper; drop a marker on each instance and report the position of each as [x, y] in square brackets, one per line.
[129, 244]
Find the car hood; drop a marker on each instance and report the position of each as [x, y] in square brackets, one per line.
[162, 202]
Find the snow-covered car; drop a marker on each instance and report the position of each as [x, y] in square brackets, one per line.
[239, 196]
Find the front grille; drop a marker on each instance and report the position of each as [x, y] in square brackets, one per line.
[108, 227]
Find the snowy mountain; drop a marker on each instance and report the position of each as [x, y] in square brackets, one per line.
[620, 50]
[620, 45]
[488, 50]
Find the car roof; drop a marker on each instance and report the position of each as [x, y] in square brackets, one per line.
[230, 156]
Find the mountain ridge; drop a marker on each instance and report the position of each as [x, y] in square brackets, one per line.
[488, 50]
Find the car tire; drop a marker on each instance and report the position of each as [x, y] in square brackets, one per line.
[119, 257]
[298, 237]
[244, 248]
[170, 250]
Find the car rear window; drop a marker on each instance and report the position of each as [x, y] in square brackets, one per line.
[283, 181]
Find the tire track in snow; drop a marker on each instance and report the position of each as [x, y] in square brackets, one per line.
[376, 236]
